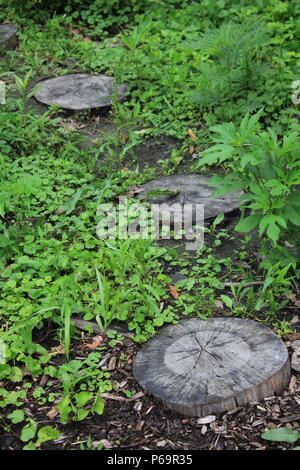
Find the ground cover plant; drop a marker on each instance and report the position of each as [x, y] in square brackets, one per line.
[217, 76]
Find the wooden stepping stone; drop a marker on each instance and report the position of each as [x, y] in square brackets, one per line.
[8, 36]
[187, 189]
[78, 91]
[198, 367]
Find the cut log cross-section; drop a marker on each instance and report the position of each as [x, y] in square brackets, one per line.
[189, 189]
[8, 36]
[198, 367]
[79, 91]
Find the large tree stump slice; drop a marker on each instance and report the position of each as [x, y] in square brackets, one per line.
[198, 367]
[8, 36]
[190, 189]
[79, 91]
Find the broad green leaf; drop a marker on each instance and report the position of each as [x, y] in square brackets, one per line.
[82, 398]
[248, 223]
[47, 433]
[273, 232]
[293, 215]
[81, 414]
[227, 301]
[30, 446]
[281, 435]
[64, 409]
[28, 431]
[294, 198]
[250, 158]
[98, 405]
[17, 416]
[270, 223]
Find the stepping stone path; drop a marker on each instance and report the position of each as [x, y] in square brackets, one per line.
[78, 91]
[188, 189]
[8, 36]
[198, 368]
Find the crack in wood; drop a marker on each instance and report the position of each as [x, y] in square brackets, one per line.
[212, 366]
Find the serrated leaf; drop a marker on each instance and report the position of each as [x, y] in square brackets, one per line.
[248, 223]
[270, 222]
[273, 232]
[250, 158]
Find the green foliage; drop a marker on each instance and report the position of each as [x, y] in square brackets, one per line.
[187, 65]
[267, 169]
[44, 434]
[83, 384]
[229, 80]
[281, 435]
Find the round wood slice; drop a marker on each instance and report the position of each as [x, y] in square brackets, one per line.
[78, 91]
[8, 36]
[191, 189]
[198, 367]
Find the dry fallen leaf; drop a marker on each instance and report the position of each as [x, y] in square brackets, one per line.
[293, 384]
[173, 292]
[134, 189]
[93, 345]
[206, 420]
[52, 413]
[58, 350]
[293, 336]
[219, 304]
[297, 400]
[112, 363]
[139, 426]
[107, 444]
[162, 443]
[136, 396]
[204, 430]
[59, 211]
[191, 134]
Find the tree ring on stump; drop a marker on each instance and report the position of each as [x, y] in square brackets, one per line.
[189, 189]
[79, 91]
[199, 367]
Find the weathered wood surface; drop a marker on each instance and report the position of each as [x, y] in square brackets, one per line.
[78, 91]
[8, 36]
[198, 367]
[190, 189]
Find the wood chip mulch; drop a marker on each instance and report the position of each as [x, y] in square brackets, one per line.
[140, 422]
